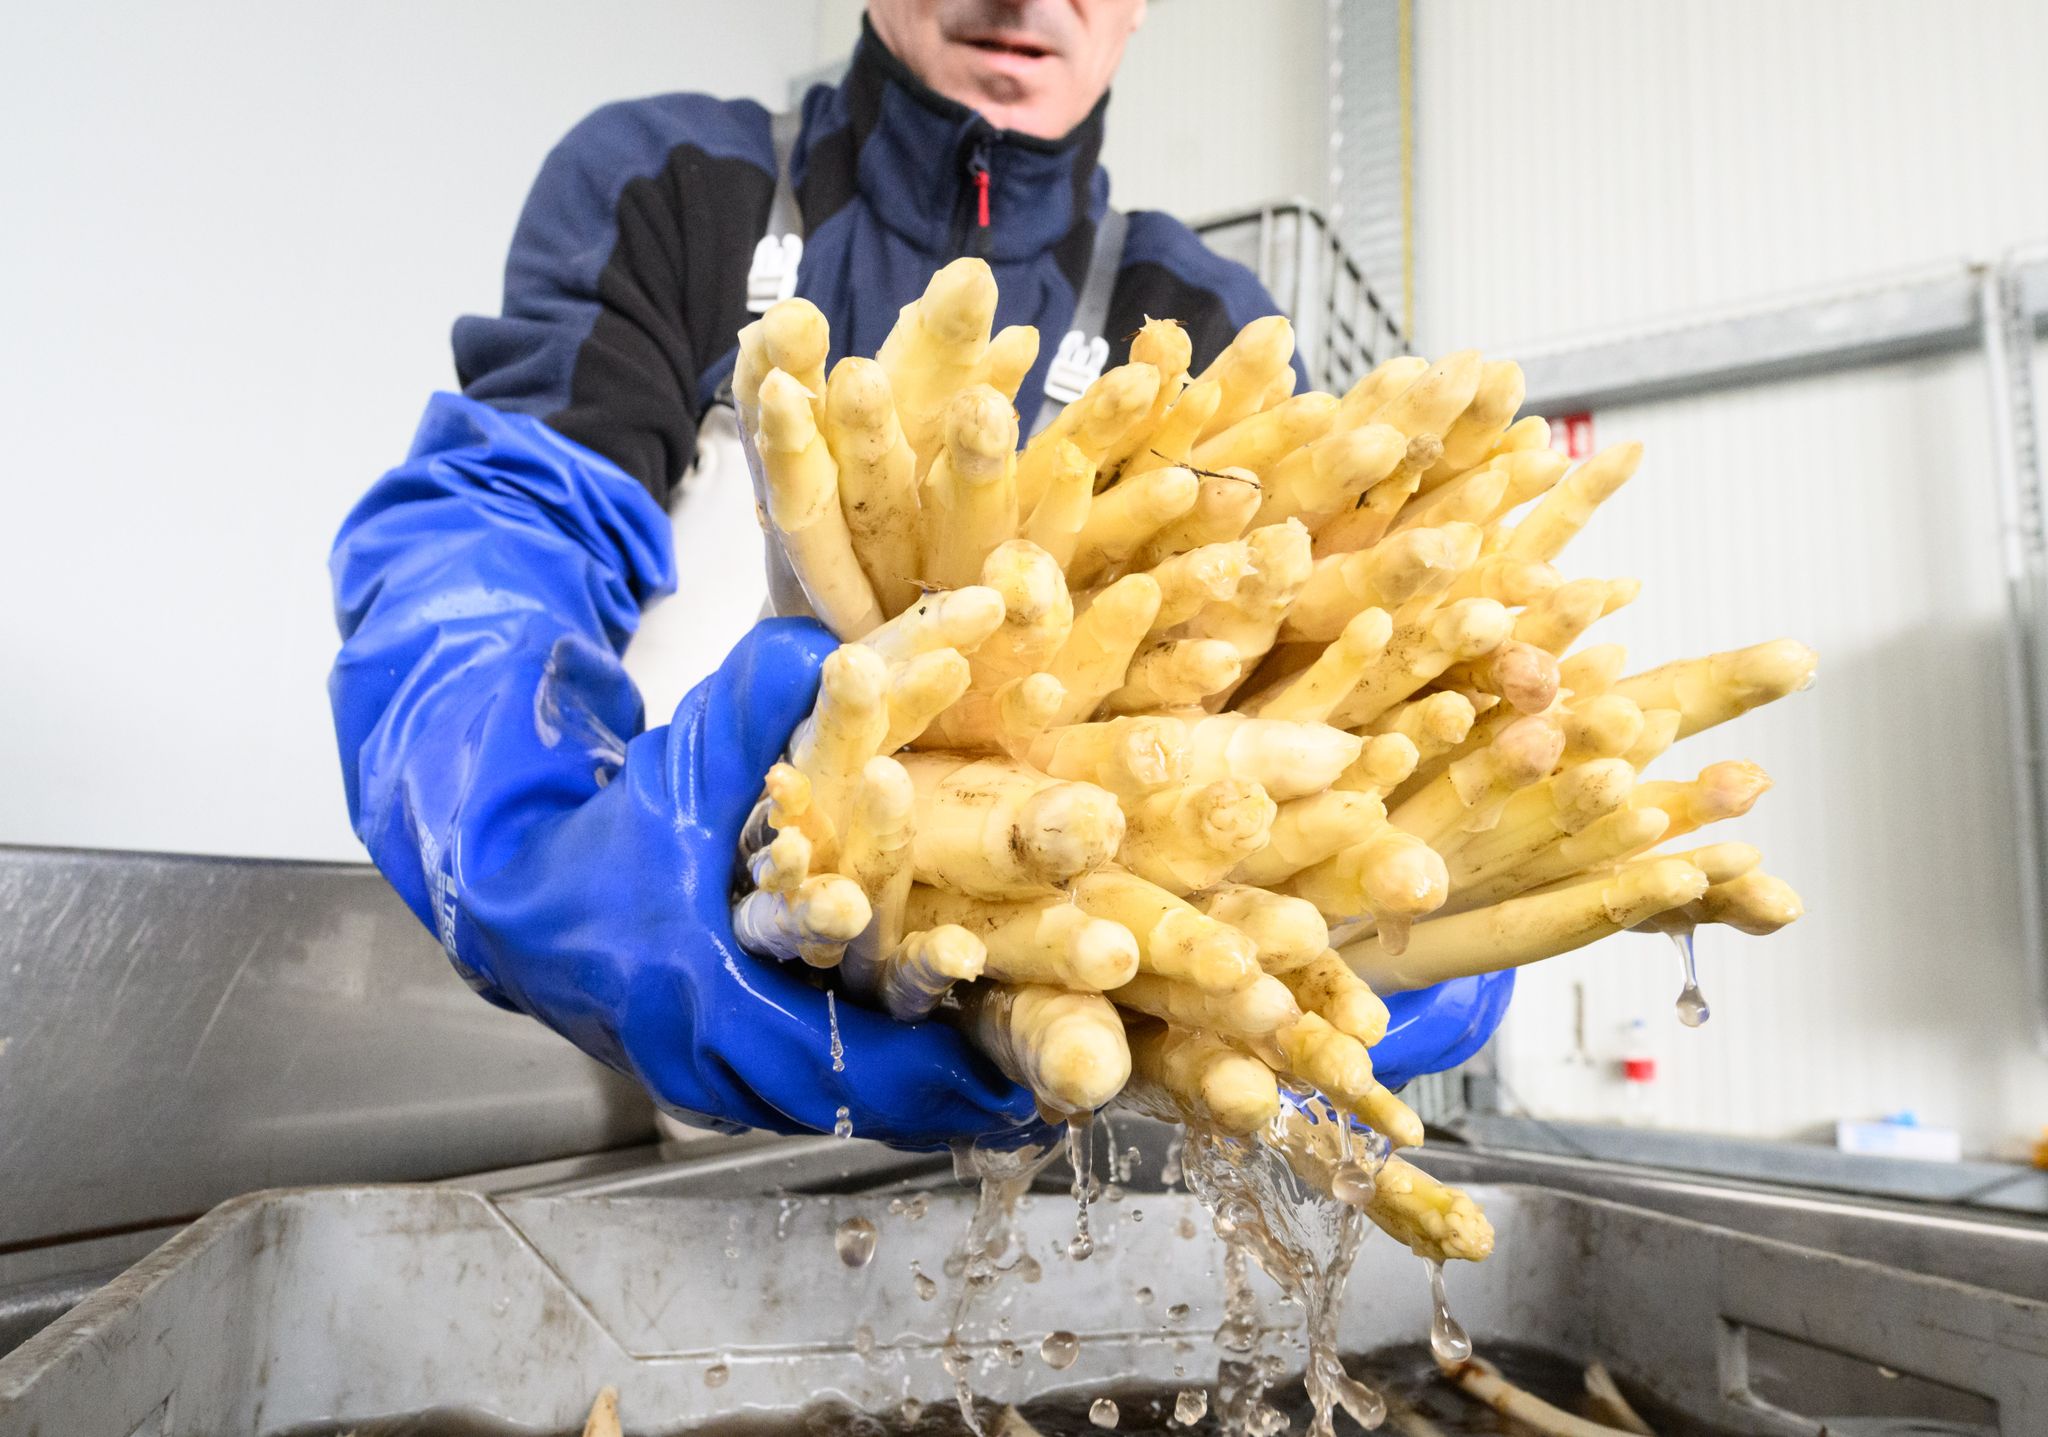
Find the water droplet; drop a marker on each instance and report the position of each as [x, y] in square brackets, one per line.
[1010, 1352]
[1236, 1335]
[1081, 1247]
[1266, 1421]
[717, 1375]
[1137, 1214]
[838, 1048]
[1368, 1149]
[1059, 1350]
[785, 1214]
[1102, 1412]
[1190, 1406]
[1177, 1313]
[842, 1123]
[917, 1207]
[926, 1288]
[1692, 1004]
[1367, 1408]
[1029, 1268]
[1446, 1338]
[1692, 1007]
[1351, 1182]
[954, 1359]
[1186, 1227]
[895, 1207]
[1143, 1297]
[908, 1411]
[1113, 1193]
[855, 1240]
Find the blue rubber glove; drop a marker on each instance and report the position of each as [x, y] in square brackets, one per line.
[1439, 1027]
[484, 589]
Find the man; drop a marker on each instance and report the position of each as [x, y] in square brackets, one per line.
[484, 588]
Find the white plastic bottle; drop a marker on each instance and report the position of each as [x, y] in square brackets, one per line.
[1638, 1071]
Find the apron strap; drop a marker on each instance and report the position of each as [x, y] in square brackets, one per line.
[772, 276]
[1081, 355]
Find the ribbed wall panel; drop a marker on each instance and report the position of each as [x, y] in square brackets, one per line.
[1856, 512]
[1220, 105]
[1366, 163]
[1587, 164]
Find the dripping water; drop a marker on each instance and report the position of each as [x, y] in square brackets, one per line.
[842, 1122]
[1447, 1339]
[1692, 1004]
[1268, 1212]
[855, 1242]
[1170, 1170]
[1005, 1176]
[1352, 1184]
[785, 1214]
[1059, 1350]
[1102, 1412]
[1081, 1158]
[832, 1018]
[954, 1359]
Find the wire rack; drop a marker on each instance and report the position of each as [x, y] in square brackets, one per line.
[1342, 327]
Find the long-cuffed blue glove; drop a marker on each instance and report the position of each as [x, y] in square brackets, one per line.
[484, 589]
[1439, 1027]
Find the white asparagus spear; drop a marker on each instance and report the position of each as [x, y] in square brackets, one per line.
[1523, 930]
[800, 488]
[1049, 940]
[1175, 940]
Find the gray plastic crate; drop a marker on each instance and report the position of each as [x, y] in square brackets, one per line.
[290, 1308]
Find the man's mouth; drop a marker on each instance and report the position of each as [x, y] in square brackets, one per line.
[1021, 46]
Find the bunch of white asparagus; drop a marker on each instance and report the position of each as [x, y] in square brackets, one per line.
[1158, 749]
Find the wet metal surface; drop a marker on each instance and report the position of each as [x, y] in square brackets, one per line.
[175, 1031]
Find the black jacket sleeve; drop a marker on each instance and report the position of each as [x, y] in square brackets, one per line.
[626, 280]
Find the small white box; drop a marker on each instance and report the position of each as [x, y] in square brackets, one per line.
[1899, 1140]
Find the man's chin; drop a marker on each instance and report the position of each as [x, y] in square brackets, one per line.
[1017, 107]
[1026, 120]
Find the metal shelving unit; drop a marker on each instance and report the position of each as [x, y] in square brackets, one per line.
[1343, 327]
[1996, 308]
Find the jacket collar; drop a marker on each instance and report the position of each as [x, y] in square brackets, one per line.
[912, 155]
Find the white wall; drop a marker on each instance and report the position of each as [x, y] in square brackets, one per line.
[1221, 105]
[1674, 158]
[1855, 512]
[237, 234]
[1586, 164]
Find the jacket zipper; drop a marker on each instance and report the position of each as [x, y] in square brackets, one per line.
[975, 241]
